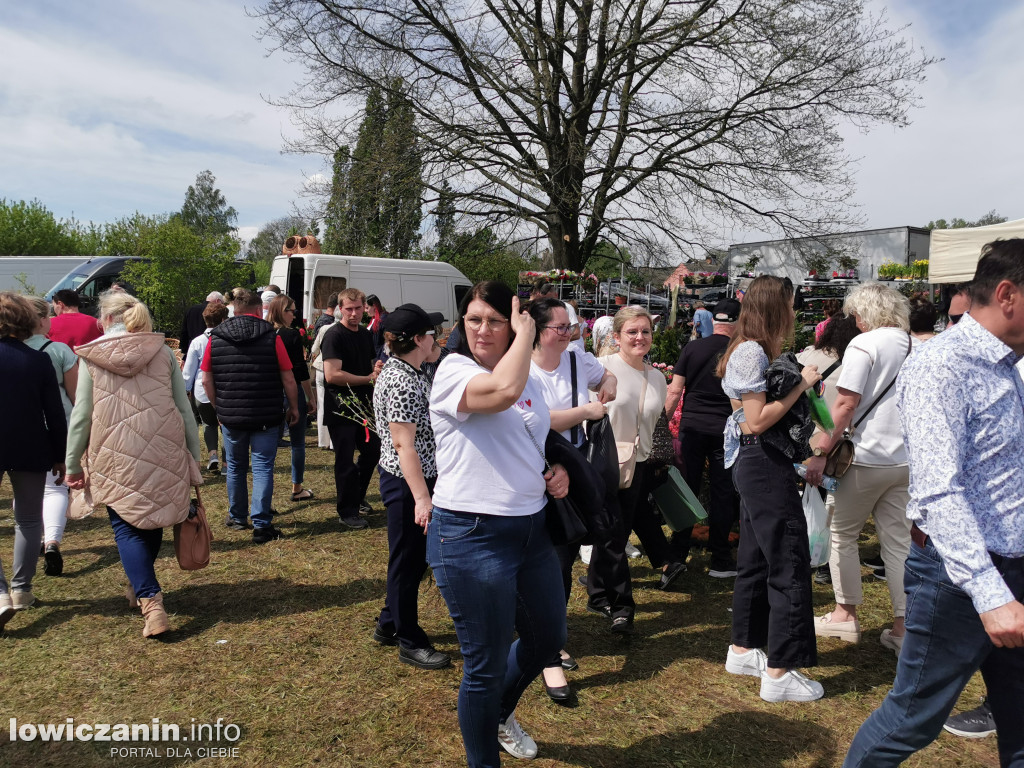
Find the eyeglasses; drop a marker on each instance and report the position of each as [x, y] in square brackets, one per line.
[633, 333]
[494, 324]
[561, 330]
[429, 333]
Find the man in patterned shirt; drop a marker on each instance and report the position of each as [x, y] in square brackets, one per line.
[962, 411]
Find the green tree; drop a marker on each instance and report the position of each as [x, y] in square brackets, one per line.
[989, 218]
[480, 255]
[613, 120]
[205, 210]
[375, 204]
[30, 229]
[444, 220]
[182, 265]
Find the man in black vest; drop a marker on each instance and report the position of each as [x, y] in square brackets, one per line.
[246, 374]
[349, 373]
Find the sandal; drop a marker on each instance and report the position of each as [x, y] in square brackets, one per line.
[304, 495]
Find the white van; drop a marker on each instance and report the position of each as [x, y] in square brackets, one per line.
[310, 279]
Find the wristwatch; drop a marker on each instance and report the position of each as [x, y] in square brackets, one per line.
[819, 452]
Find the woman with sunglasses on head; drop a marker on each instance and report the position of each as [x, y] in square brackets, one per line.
[282, 314]
[772, 605]
[639, 401]
[487, 541]
[552, 368]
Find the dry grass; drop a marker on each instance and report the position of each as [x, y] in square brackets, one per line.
[276, 639]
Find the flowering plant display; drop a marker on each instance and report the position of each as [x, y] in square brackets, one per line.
[563, 275]
[665, 369]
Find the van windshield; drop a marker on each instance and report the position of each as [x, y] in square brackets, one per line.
[72, 281]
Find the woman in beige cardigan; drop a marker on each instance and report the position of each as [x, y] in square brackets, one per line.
[133, 428]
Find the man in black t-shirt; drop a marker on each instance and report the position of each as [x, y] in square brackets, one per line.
[349, 373]
[705, 411]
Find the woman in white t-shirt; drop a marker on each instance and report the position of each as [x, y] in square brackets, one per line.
[551, 369]
[877, 484]
[487, 542]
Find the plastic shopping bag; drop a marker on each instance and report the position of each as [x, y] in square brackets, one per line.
[819, 522]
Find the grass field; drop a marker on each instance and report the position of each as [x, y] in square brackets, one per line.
[276, 640]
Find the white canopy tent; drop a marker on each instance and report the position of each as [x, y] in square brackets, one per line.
[953, 253]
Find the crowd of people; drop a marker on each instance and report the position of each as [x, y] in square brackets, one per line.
[464, 440]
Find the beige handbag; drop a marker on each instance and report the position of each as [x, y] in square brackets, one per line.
[627, 450]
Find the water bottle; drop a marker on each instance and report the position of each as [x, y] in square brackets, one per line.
[828, 482]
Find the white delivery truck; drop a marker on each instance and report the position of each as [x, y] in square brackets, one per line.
[34, 274]
[310, 279]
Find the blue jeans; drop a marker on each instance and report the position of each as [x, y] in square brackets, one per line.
[945, 645]
[497, 574]
[237, 443]
[138, 548]
[297, 435]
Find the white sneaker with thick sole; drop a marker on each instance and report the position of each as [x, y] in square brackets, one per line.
[792, 686]
[632, 552]
[752, 663]
[515, 740]
[585, 552]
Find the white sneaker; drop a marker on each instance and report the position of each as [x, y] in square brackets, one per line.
[752, 663]
[632, 552]
[792, 686]
[515, 740]
[585, 551]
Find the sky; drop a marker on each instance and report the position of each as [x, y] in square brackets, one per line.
[113, 106]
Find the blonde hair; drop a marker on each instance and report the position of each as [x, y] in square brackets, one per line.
[121, 307]
[626, 314]
[878, 306]
[41, 306]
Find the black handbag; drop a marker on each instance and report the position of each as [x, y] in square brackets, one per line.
[663, 452]
[564, 518]
[587, 488]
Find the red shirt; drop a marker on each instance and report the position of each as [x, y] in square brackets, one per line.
[284, 363]
[74, 328]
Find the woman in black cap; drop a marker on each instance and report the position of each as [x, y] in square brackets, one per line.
[401, 400]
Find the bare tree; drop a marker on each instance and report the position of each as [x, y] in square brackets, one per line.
[632, 121]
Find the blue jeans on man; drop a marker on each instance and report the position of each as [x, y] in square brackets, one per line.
[237, 445]
[945, 645]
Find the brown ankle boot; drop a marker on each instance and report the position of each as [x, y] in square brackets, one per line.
[155, 615]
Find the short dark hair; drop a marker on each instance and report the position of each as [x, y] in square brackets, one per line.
[923, 315]
[540, 310]
[493, 293]
[398, 344]
[243, 298]
[332, 301]
[1000, 260]
[839, 331]
[67, 297]
[17, 317]
[215, 314]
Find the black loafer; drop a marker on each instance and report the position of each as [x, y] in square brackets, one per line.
[355, 522]
[424, 658]
[600, 610]
[559, 695]
[674, 571]
[383, 638]
[569, 664]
